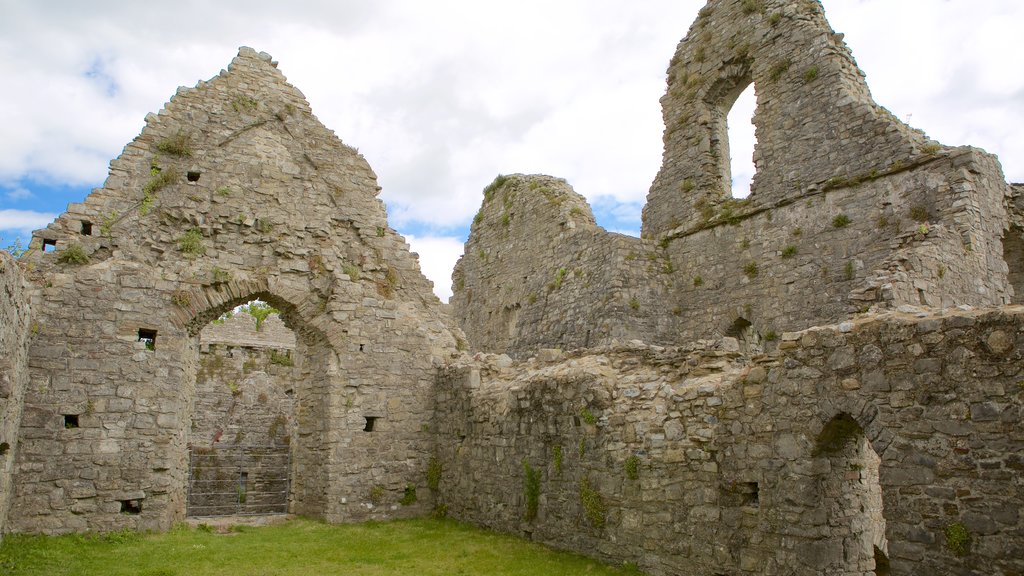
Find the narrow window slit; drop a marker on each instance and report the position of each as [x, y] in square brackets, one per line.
[370, 420]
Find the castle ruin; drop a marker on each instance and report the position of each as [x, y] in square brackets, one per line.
[822, 378]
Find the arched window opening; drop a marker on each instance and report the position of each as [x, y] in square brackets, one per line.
[740, 126]
[852, 496]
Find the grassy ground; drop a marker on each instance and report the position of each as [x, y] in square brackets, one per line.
[299, 547]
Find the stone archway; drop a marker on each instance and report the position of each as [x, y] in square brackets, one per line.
[851, 498]
[285, 443]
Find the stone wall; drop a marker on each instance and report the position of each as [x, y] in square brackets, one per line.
[15, 331]
[850, 211]
[898, 432]
[233, 192]
[538, 271]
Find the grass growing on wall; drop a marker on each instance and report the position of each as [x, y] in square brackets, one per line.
[299, 547]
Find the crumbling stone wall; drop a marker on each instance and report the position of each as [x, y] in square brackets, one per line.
[896, 432]
[537, 269]
[15, 331]
[233, 192]
[850, 210]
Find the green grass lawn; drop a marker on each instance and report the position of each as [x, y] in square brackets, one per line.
[299, 547]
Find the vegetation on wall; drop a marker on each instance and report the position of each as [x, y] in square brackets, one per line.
[593, 504]
[531, 489]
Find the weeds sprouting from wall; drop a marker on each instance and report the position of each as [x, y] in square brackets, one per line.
[556, 454]
[244, 104]
[632, 467]
[493, 187]
[779, 69]
[919, 213]
[841, 221]
[178, 145]
[958, 539]
[352, 271]
[408, 496]
[593, 504]
[281, 359]
[181, 298]
[587, 416]
[750, 270]
[434, 470]
[191, 243]
[74, 254]
[531, 489]
[377, 494]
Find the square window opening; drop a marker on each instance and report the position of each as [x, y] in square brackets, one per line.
[370, 422]
[148, 337]
[86, 228]
[4, 448]
[49, 245]
[70, 421]
[131, 507]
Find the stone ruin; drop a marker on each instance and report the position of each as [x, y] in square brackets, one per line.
[823, 378]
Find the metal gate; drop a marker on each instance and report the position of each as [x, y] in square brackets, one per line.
[238, 481]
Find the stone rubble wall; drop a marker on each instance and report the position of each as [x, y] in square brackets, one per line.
[15, 332]
[537, 270]
[233, 192]
[851, 211]
[240, 330]
[701, 460]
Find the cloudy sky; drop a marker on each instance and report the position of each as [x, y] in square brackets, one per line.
[442, 95]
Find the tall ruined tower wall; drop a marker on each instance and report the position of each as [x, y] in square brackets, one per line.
[15, 329]
[850, 210]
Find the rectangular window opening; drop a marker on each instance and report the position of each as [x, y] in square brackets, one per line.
[148, 337]
[49, 245]
[751, 497]
[132, 507]
[370, 420]
[193, 176]
[86, 228]
[71, 421]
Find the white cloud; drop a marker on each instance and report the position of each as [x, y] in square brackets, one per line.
[438, 255]
[23, 222]
[18, 193]
[441, 96]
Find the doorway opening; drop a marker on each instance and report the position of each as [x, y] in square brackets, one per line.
[852, 497]
[244, 427]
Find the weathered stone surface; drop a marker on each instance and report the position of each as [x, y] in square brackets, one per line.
[15, 331]
[233, 192]
[696, 475]
[850, 211]
[804, 434]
